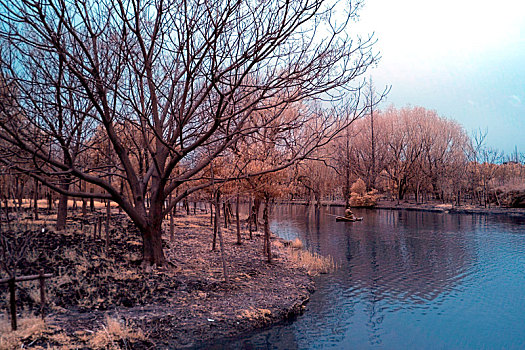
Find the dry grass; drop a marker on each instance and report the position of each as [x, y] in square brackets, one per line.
[297, 244]
[314, 263]
[42, 203]
[114, 334]
[29, 328]
[254, 314]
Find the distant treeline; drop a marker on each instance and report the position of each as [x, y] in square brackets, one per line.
[413, 153]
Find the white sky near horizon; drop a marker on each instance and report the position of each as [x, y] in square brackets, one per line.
[463, 58]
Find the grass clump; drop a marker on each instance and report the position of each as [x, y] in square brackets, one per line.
[29, 329]
[255, 314]
[313, 263]
[297, 244]
[115, 334]
[32, 333]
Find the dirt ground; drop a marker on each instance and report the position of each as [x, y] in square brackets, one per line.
[186, 304]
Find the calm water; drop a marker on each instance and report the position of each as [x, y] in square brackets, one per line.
[406, 280]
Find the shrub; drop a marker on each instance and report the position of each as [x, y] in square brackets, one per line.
[358, 187]
[368, 199]
[113, 333]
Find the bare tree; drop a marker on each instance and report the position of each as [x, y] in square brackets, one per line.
[181, 79]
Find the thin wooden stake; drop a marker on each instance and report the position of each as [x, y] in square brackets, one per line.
[172, 224]
[35, 198]
[99, 227]
[221, 240]
[237, 219]
[108, 217]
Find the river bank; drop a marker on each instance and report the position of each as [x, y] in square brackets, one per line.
[449, 208]
[436, 207]
[98, 294]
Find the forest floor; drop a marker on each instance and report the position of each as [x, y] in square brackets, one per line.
[106, 299]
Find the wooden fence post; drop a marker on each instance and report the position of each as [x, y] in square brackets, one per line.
[42, 293]
[11, 282]
[12, 302]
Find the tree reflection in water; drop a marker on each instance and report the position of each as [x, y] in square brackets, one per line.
[406, 279]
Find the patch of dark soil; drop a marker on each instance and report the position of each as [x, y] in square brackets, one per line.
[86, 276]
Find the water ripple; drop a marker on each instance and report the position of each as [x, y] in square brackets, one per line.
[408, 280]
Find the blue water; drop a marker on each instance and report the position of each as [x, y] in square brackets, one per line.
[406, 280]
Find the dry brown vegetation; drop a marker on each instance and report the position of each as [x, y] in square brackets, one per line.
[30, 329]
[35, 333]
[114, 334]
[312, 262]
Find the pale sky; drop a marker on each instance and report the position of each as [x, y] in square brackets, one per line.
[463, 58]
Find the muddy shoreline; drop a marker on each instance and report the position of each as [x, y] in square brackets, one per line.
[186, 305]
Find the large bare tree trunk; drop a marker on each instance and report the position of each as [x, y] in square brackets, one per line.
[401, 189]
[62, 212]
[153, 253]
